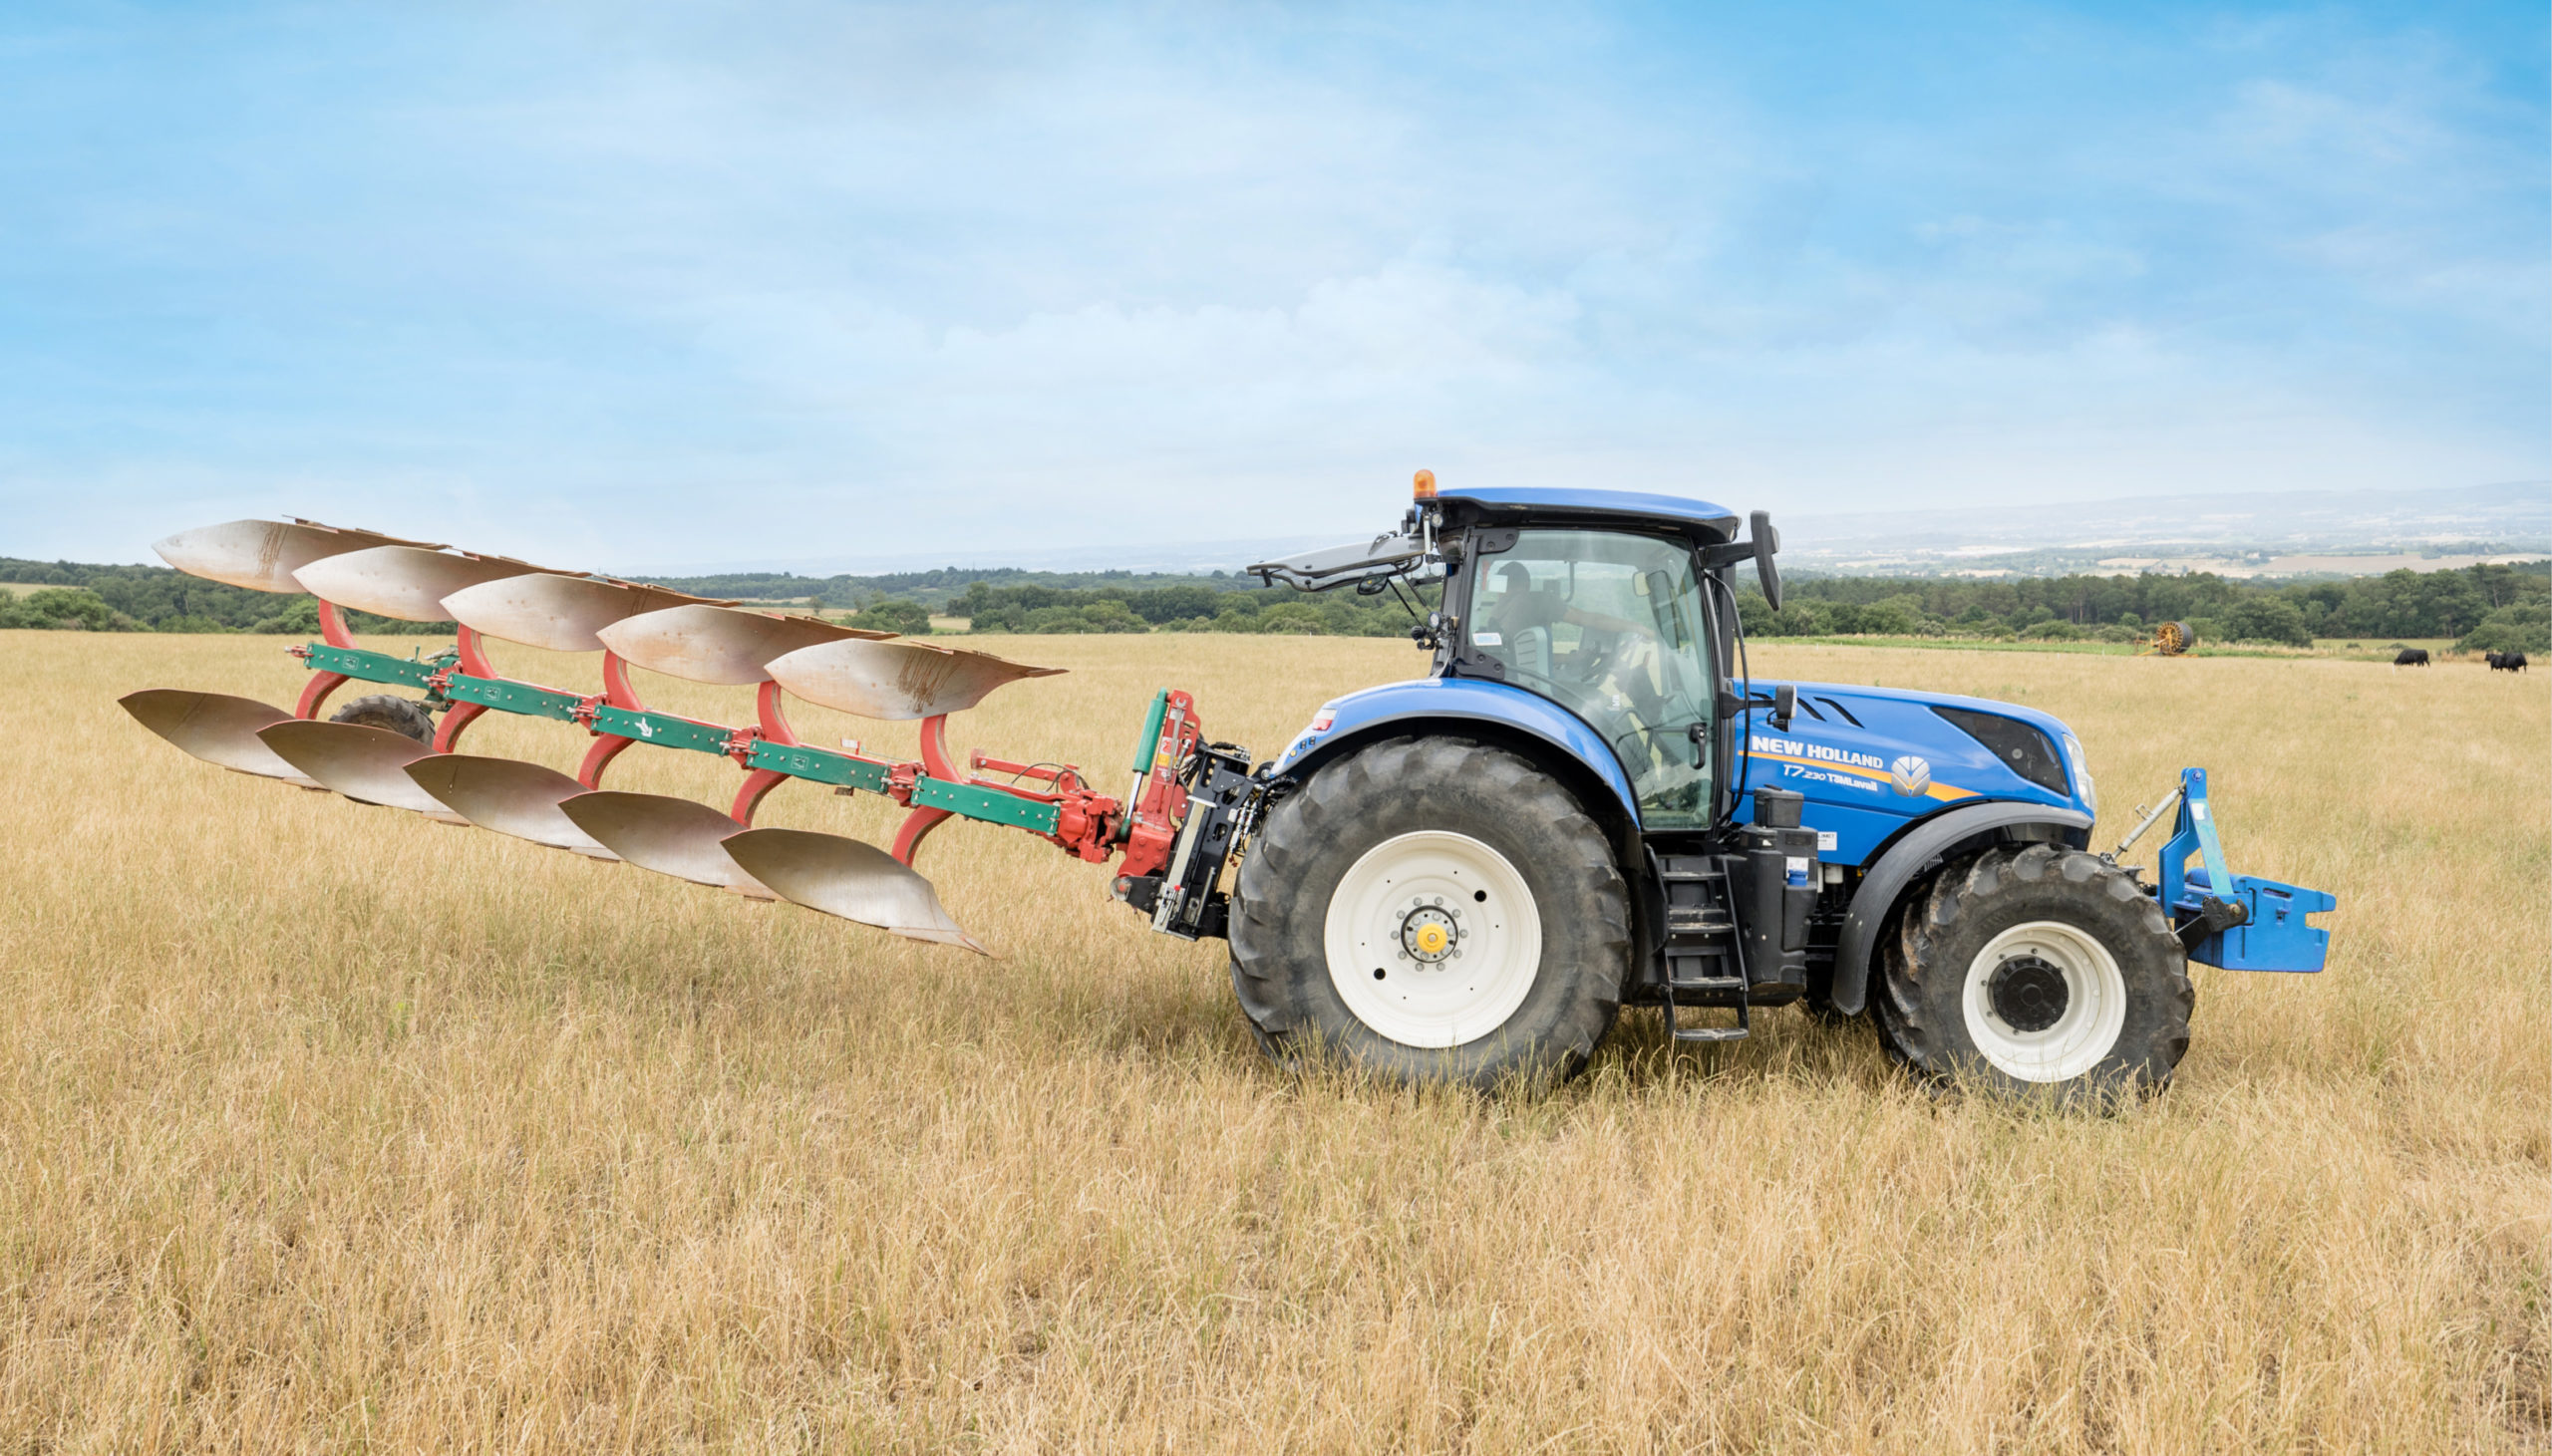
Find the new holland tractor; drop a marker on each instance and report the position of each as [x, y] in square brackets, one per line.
[1587, 803]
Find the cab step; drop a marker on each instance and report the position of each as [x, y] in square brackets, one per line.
[1705, 956]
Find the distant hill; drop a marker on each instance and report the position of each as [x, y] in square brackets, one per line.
[2256, 533]
[934, 589]
[2279, 533]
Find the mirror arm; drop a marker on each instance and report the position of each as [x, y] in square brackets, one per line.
[1761, 544]
[1783, 703]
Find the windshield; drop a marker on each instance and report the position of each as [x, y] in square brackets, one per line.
[1609, 626]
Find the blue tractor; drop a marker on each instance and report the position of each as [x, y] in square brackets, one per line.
[1588, 803]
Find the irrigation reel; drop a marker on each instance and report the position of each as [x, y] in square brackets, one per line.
[2170, 639]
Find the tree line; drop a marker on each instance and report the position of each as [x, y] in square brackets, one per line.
[2481, 608]
[79, 595]
[2487, 607]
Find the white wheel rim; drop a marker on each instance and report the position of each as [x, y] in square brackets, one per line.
[2095, 1006]
[1380, 920]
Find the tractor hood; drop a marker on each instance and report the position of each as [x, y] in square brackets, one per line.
[1871, 760]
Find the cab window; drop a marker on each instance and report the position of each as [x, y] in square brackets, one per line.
[1608, 624]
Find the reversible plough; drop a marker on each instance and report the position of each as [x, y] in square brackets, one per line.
[870, 674]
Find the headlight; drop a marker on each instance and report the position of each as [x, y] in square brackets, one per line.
[2082, 786]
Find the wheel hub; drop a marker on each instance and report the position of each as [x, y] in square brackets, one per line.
[2028, 994]
[1429, 931]
[1432, 939]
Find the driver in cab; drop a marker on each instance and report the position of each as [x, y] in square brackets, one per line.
[1519, 622]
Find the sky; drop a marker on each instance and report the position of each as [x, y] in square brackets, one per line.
[642, 285]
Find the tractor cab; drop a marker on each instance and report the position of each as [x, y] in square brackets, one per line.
[1610, 623]
[1614, 606]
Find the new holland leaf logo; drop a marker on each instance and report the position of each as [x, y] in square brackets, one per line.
[1910, 774]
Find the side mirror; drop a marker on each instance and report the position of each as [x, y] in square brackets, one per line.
[1784, 707]
[1768, 543]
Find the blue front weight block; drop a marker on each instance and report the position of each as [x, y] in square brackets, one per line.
[2275, 934]
[2274, 937]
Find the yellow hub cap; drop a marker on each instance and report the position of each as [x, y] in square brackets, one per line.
[1432, 940]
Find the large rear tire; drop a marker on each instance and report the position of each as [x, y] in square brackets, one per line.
[1433, 910]
[388, 711]
[2036, 971]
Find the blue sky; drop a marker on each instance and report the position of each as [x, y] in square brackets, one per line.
[640, 285]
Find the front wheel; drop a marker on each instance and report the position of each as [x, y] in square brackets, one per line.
[2037, 970]
[1434, 910]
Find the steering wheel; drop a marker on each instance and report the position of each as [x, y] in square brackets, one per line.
[1651, 701]
[1597, 649]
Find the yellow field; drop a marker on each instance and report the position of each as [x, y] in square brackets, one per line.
[326, 1128]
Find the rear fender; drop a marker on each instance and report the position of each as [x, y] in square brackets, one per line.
[1916, 851]
[1551, 735]
[1546, 736]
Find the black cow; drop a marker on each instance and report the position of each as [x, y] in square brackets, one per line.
[2507, 662]
[2412, 656]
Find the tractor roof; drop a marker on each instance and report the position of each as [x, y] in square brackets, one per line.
[1613, 505]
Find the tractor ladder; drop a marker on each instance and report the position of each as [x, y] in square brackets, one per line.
[1704, 960]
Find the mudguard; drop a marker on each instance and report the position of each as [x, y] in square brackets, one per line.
[1359, 717]
[1907, 858]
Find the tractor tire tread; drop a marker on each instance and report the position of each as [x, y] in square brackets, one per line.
[1947, 921]
[1279, 966]
[404, 716]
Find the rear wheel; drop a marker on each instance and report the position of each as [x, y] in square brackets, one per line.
[1434, 910]
[2035, 970]
[387, 711]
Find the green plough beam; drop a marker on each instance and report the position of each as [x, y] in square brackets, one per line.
[796, 761]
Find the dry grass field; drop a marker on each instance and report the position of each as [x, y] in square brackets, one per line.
[326, 1128]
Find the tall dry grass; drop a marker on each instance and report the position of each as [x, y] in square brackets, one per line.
[325, 1127]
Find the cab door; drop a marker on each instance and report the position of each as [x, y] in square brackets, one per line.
[1610, 625]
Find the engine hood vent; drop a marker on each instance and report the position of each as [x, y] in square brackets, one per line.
[2018, 745]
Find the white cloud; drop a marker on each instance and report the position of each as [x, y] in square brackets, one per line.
[615, 283]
